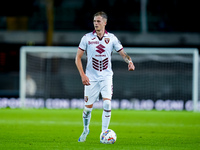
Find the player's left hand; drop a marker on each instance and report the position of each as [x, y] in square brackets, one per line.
[131, 66]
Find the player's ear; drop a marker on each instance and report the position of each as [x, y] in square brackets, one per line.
[105, 22]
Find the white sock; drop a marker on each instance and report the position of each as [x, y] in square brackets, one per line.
[106, 114]
[86, 118]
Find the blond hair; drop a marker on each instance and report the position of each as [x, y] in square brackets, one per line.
[102, 14]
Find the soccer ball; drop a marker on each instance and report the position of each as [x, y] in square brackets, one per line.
[108, 137]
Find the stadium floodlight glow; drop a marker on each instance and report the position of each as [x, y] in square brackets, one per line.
[161, 73]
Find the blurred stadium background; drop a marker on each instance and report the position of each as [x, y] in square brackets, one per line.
[137, 23]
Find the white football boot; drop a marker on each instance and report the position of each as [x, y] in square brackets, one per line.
[83, 136]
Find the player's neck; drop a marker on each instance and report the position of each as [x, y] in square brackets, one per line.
[100, 33]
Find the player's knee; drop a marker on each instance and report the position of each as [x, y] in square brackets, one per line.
[87, 112]
[86, 109]
[107, 104]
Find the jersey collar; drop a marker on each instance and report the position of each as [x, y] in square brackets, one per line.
[105, 34]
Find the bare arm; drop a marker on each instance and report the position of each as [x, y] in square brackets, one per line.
[127, 59]
[78, 62]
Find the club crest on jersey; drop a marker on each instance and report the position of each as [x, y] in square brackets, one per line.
[107, 40]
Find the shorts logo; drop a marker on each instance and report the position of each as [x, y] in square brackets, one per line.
[86, 99]
[107, 40]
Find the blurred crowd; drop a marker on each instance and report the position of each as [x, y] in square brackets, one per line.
[124, 15]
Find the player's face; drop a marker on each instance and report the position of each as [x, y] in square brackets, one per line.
[99, 23]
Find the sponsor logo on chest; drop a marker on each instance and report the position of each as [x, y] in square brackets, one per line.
[100, 49]
[93, 42]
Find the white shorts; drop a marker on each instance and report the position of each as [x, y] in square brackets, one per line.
[91, 92]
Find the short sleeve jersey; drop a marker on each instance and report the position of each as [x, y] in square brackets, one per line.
[98, 52]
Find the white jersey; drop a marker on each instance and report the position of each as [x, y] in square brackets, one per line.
[99, 53]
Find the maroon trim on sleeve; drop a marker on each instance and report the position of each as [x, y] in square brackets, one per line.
[81, 49]
[120, 49]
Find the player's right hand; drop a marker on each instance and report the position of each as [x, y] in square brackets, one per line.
[85, 80]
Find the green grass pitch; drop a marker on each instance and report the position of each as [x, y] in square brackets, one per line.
[45, 129]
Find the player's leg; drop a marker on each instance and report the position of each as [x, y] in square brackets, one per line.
[106, 114]
[86, 122]
[106, 91]
[91, 95]
[86, 117]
